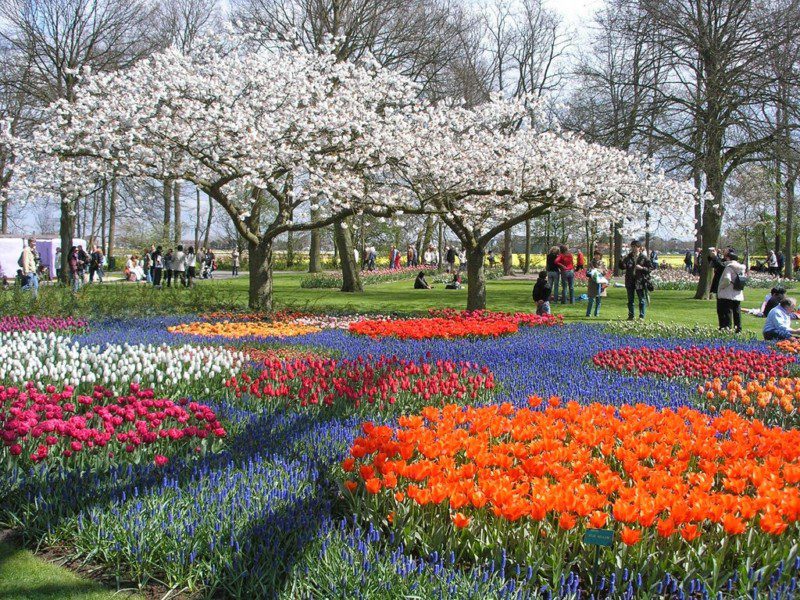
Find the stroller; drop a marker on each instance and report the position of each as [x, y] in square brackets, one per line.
[207, 271]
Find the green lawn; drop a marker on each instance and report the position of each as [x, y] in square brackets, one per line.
[23, 576]
[124, 299]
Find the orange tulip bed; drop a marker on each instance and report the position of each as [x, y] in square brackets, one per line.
[241, 329]
[452, 324]
[775, 401]
[791, 346]
[692, 491]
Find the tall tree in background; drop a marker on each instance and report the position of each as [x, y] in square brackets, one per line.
[61, 38]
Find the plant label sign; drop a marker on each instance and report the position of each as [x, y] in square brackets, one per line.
[598, 537]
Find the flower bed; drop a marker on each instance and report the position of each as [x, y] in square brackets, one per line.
[657, 329]
[100, 428]
[693, 362]
[670, 484]
[42, 324]
[385, 383]
[50, 358]
[773, 401]
[790, 346]
[334, 280]
[235, 330]
[452, 324]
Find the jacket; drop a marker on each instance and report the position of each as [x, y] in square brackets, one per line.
[725, 290]
[179, 261]
[551, 262]
[719, 266]
[541, 291]
[636, 278]
[564, 262]
[594, 290]
[27, 261]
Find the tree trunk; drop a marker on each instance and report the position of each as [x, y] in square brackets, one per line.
[4, 216]
[712, 225]
[508, 258]
[440, 248]
[314, 262]
[167, 194]
[66, 230]
[778, 199]
[527, 266]
[698, 209]
[617, 248]
[289, 249]
[176, 199]
[647, 231]
[260, 267]
[476, 282]
[351, 280]
[94, 222]
[208, 228]
[103, 217]
[427, 237]
[112, 220]
[197, 223]
[611, 253]
[788, 253]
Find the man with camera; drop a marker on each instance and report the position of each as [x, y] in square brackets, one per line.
[637, 277]
[730, 283]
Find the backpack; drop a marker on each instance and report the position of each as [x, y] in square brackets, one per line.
[21, 260]
[739, 282]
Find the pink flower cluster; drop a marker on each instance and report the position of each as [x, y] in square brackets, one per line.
[44, 324]
[53, 423]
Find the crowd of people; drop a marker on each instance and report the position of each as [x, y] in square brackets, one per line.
[32, 270]
[162, 269]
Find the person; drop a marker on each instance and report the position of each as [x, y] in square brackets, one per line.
[420, 283]
[597, 283]
[730, 293]
[393, 253]
[356, 257]
[654, 259]
[191, 266]
[456, 283]
[779, 319]
[541, 294]
[781, 262]
[83, 263]
[179, 266]
[409, 257]
[235, 262]
[158, 267]
[772, 300]
[129, 266]
[717, 260]
[74, 269]
[567, 272]
[208, 264]
[96, 264]
[462, 260]
[58, 263]
[698, 257]
[688, 260]
[168, 270]
[796, 262]
[772, 263]
[6, 285]
[450, 258]
[491, 258]
[580, 261]
[27, 263]
[553, 274]
[372, 256]
[147, 265]
[637, 277]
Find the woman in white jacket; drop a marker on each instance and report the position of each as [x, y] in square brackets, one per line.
[730, 293]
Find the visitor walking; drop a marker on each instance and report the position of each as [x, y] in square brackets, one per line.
[168, 267]
[553, 273]
[450, 258]
[541, 294]
[462, 260]
[566, 268]
[772, 263]
[688, 260]
[781, 262]
[191, 266]
[74, 269]
[637, 278]
[27, 264]
[491, 258]
[147, 265]
[83, 263]
[158, 267]
[597, 283]
[179, 266]
[580, 261]
[779, 321]
[96, 264]
[730, 293]
[235, 262]
[698, 258]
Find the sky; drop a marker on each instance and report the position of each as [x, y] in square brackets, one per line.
[575, 12]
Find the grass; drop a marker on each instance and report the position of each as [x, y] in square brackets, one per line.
[23, 576]
[120, 299]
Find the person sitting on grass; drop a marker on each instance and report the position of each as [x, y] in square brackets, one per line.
[456, 283]
[541, 294]
[420, 283]
[778, 325]
[774, 299]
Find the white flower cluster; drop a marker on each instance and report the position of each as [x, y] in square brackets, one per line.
[46, 358]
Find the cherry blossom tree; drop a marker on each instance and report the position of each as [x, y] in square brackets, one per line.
[262, 131]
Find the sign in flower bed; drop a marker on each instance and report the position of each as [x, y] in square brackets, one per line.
[384, 383]
[334, 279]
[101, 428]
[775, 401]
[9, 324]
[682, 491]
[694, 362]
[453, 324]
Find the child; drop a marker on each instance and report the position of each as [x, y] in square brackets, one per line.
[597, 283]
[456, 283]
[541, 294]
